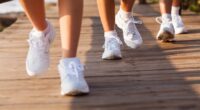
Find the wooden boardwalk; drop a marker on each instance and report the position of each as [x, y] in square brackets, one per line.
[156, 76]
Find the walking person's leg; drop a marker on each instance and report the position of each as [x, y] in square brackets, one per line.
[127, 5]
[70, 68]
[176, 18]
[112, 41]
[166, 32]
[71, 12]
[165, 6]
[124, 20]
[40, 37]
[107, 14]
[176, 3]
[37, 19]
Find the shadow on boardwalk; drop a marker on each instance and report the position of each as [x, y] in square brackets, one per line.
[146, 78]
[154, 77]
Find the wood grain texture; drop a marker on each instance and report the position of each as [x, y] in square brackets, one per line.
[157, 76]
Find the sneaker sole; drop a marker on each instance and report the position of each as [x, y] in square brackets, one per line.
[74, 93]
[181, 32]
[30, 73]
[51, 39]
[133, 45]
[112, 58]
[166, 37]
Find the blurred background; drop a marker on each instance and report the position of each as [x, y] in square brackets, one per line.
[10, 9]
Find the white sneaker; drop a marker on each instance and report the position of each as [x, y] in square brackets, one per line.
[38, 55]
[72, 78]
[178, 24]
[112, 49]
[166, 32]
[131, 36]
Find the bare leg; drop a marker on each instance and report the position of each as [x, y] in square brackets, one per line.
[37, 19]
[107, 14]
[71, 12]
[165, 6]
[127, 5]
[70, 24]
[176, 3]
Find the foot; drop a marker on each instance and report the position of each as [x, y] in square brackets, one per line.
[112, 49]
[38, 55]
[166, 32]
[131, 36]
[178, 24]
[72, 77]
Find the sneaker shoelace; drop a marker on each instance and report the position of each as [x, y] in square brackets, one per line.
[112, 43]
[76, 68]
[159, 20]
[39, 43]
[130, 28]
[72, 70]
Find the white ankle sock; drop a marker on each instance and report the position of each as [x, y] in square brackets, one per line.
[125, 15]
[110, 33]
[69, 59]
[175, 10]
[166, 17]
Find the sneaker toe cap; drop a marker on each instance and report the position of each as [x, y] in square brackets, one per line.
[74, 88]
[180, 30]
[36, 67]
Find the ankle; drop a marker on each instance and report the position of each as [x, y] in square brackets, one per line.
[43, 30]
[68, 52]
[175, 10]
[69, 59]
[110, 33]
[124, 14]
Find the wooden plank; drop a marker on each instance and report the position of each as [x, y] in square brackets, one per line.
[156, 76]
